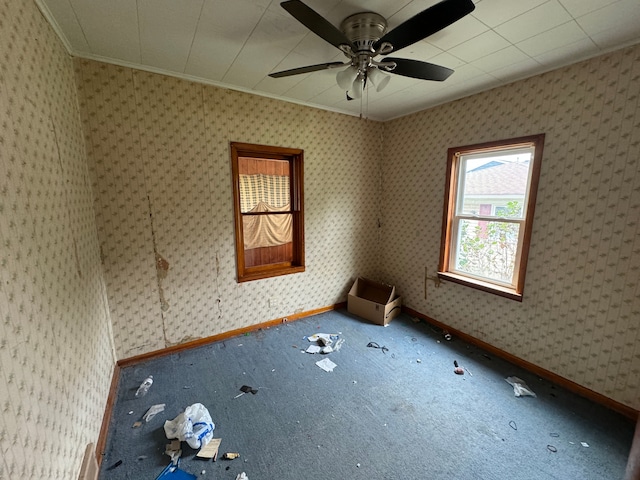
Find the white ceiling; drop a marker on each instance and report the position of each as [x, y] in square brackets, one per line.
[237, 43]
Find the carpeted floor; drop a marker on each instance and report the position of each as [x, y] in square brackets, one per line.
[394, 413]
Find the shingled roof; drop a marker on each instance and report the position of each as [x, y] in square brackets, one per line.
[504, 179]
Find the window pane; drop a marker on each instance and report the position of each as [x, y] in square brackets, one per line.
[495, 185]
[487, 249]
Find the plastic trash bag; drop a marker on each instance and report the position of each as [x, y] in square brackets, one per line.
[520, 389]
[153, 411]
[194, 426]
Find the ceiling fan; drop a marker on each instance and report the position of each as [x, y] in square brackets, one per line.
[363, 36]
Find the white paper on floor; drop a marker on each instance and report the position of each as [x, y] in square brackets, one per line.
[520, 389]
[326, 364]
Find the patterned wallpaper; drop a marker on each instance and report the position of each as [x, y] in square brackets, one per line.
[56, 353]
[581, 309]
[159, 157]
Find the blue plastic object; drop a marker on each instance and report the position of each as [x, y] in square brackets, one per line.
[172, 472]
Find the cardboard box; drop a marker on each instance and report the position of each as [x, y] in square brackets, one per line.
[374, 301]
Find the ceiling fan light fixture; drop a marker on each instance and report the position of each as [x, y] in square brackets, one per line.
[346, 77]
[378, 79]
[358, 87]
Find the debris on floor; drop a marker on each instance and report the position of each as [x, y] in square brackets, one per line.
[242, 476]
[144, 386]
[194, 426]
[231, 455]
[246, 389]
[210, 450]
[324, 343]
[326, 365]
[174, 451]
[172, 472]
[375, 345]
[115, 465]
[520, 388]
[153, 411]
[457, 370]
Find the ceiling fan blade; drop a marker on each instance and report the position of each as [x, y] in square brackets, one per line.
[418, 69]
[316, 23]
[308, 69]
[426, 23]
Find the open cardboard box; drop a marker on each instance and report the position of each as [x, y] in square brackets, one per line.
[374, 301]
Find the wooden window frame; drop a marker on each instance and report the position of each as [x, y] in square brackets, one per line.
[451, 198]
[295, 158]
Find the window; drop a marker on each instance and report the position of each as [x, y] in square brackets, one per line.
[488, 215]
[269, 213]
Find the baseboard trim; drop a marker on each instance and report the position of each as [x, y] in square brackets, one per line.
[106, 418]
[563, 382]
[127, 362]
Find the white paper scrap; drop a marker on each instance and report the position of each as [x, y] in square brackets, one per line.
[313, 349]
[326, 364]
[584, 444]
[324, 336]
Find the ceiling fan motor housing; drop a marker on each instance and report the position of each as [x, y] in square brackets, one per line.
[363, 30]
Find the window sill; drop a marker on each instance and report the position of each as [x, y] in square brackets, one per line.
[261, 273]
[480, 285]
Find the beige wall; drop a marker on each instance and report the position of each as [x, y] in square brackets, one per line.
[159, 155]
[581, 309]
[56, 357]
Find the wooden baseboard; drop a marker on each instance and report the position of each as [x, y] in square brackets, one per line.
[535, 369]
[106, 418]
[127, 362]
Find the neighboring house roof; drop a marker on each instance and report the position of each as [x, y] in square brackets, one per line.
[502, 179]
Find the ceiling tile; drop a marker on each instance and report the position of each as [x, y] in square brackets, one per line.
[222, 31]
[110, 28]
[311, 85]
[479, 46]
[418, 51]
[167, 30]
[461, 31]
[496, 12]
[623, 17]
[577, 8]
[500, 59]
[516, 71]
[559, 56]
[399, 12]
[447, 60]
[318, 50]
[255, 61]
[465, 73]
[557, 37]
[534, 22]
[62, 13]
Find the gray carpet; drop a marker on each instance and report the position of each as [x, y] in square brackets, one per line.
[399, 413]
